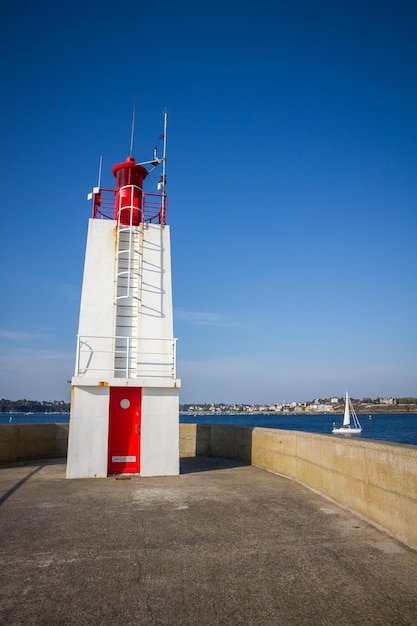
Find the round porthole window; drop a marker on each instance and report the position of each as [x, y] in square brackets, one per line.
[125, 403]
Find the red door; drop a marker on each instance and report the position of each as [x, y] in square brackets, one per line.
[124, 430]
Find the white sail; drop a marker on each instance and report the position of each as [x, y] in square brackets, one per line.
[346, 417]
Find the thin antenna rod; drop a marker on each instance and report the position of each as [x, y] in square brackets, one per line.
[99, 171]
[132, 134]
[164, 154]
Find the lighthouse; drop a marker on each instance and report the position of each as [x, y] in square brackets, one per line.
[125, 392]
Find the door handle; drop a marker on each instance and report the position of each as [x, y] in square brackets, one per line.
[137, 429]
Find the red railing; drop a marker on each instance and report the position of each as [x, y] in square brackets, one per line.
[153, 207]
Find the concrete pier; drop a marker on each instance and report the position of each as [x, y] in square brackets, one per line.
[222, 543]
[375, 480]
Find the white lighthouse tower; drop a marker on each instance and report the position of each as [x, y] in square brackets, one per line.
[125, 393]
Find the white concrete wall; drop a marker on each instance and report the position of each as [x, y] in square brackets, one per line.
[97, 297]
[88, 433]
[160, 432]
[155, 319]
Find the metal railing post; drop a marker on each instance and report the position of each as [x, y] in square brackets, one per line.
[77, 357]
[174, 357]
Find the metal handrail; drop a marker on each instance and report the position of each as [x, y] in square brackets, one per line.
[128, 357]
[153, 206]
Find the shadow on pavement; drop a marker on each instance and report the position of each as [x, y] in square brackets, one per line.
[197, 464]
[19, 484]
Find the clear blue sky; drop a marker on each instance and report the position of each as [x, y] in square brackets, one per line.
[292, 187]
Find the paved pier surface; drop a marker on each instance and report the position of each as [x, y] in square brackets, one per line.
[220, 544]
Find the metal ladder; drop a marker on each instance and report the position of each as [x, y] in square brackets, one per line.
[128, 289]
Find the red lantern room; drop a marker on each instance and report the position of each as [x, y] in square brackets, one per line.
[129, 196]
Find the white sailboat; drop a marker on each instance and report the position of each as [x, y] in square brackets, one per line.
[351, 424]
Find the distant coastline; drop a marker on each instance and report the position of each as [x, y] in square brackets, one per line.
[376, 411]
[34, 406]
[333, 406]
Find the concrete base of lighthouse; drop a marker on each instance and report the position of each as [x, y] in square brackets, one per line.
[88, 445]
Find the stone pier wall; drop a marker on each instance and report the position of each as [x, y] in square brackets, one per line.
[24, 442]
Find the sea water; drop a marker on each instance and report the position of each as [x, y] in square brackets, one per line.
[398, 427]
[34, 418]
[395, 427]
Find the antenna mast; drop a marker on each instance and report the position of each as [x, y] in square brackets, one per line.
[163, 180]
[99, 170]
[164, 153]
[132, 134]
